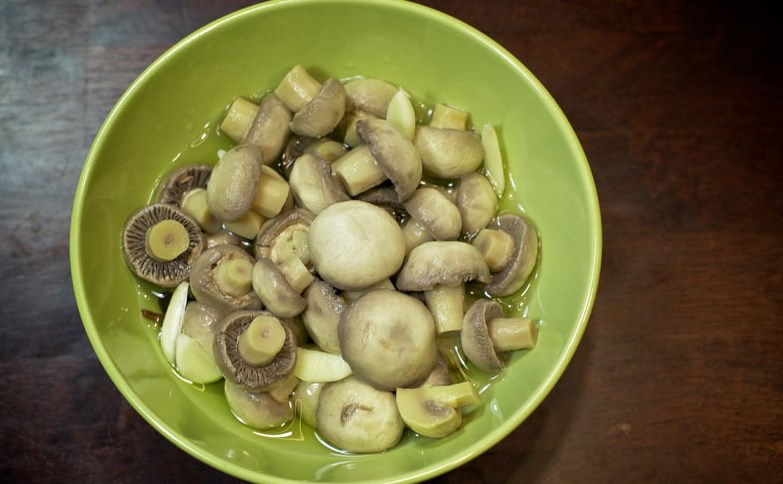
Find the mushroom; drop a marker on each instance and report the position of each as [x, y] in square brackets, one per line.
[485, 333]
[444, 116]
[160, 244]
[440, 269]
[434, 411]
[431, 213]
[476, 201]
[385, 197]
[394, 153]
[272, 193]
[254, 349]
[388, 339]
[233, 182]
[285, 236]
[269, 129]
[238, 118]
[358, 170]
[523, 259]
[322, 114]
[257, 409]
[199, 323]
[496, 246]
[371, 96]
[448, 153]
[194, 203]
[274, 290]
[356, 417]
[222, 237]
[181, 181]
[221, 278]
[354, 245]
[297, 88]
[313, 184]
[322, 314]
[307, 393]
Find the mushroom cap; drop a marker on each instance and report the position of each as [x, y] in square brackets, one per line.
[162, 273]
[314, 185]
[476, 201]
[356, 417]
[435, 212]
[205, 288]
[285, 223]
[394, 153]
[388, 339]
[448, 153]
[272, 287]
[385, 197]
[321, 317]
[270, 128]
[233, 183]
[446, 263]
[257, 409]
[323, 112]
[354, 245]
[181, 181]
[475, 339]
[523, 258]
[370, 96]
[235, 369]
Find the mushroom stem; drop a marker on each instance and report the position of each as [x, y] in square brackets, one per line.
[247, 225]
[296, 274]
[297, 88]
[234, 276]
[449, 117]
[496, 246]
[194, 203]
[508, 334]
[238, 119]
[271, 193]
[262, 340]
[358, 170]
[446, 305]
[166, 240]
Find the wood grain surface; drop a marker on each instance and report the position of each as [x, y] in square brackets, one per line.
[679, 377]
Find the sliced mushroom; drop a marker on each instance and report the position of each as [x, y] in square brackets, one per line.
[321, 316]
[274, 290]
[181, 181]
[356, 417]
[448, 153]
[285, 236]
[370, 96]
[232, 356]
[435, 411]
[477, 202]
[523, 259]
[322, 114]
[161, 243]
[430, 209]
[233, 182]
[313, 184]
[388, 338]
[354, 245]
[270, 128]
[394, 153]
[221, 278]
[440, 269]
[257, 409]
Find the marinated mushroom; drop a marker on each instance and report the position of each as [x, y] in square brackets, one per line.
[181, 181]
[485, 333]
[313, 184]
[371, 96]
[394, 153]
[476, 201]
[194, 203]
[434, 411]
[496, 246]
[523, 258]
[160, 244]
[257, 409]
[384, 197]
[249, 351]
[270, 128]
[354, 245]
[356, 417]
[199, 323]
[322, 314]
[358, 171]
[274, 290]
[432, 211]
[448, 153]
[222, 237]
[388, 338]
[307, 393]
[222, 277]
[233, 182]
[297, 88]
[322, 114]
[440, 269]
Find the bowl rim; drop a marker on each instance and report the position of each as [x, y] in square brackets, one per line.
[427, 472]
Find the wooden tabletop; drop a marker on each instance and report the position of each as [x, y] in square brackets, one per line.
[678, 106]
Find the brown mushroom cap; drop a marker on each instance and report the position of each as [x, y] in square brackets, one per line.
[385, 197]
[285, 223]
[523, 258]
[323, 112]
[446, 263]
[394, 153]
[181, 181]
[162, 273]
[255, 408]
[270, 128]
[271, 286]
[314, 185]
[235, 369]
[448, 153]
[321, 317]
[435, 212]
[233, 183]
[205, 288]
[476, 201]
[475, 336]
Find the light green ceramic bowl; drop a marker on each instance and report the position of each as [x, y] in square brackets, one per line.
[168, 117]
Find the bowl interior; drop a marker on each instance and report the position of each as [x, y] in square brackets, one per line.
[168, 117]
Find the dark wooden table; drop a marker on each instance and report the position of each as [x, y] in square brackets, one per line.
[678, 106]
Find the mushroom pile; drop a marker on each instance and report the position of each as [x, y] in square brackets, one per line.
[327, 257]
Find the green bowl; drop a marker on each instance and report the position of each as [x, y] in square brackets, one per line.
[168, 117]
